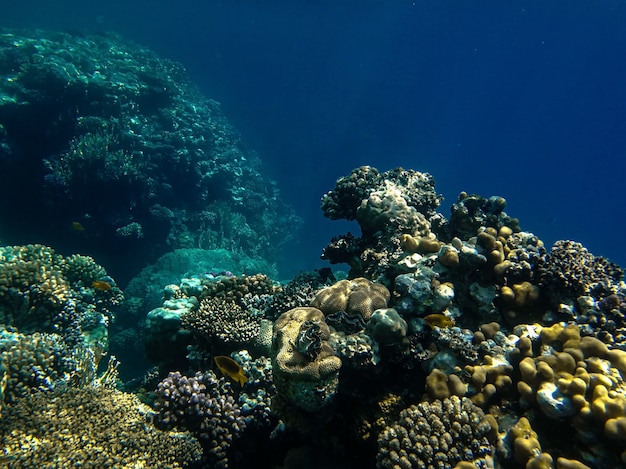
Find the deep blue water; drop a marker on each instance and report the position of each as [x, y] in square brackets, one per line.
[525, 100]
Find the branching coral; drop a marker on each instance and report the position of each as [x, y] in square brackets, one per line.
[206, 407]
[91, 427]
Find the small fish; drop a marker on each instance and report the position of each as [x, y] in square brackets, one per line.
[439, 320]
[101, 285]
[231, 368]
[78, 226]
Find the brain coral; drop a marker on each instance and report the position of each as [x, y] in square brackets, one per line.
[357, 296]
[438, 434]
[92, 427]
[304, 365]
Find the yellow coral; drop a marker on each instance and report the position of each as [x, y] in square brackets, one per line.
[357, 296]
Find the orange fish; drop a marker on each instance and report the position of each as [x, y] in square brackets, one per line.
[101, 285]
[439, 320]
[78, 226]
[231, 368]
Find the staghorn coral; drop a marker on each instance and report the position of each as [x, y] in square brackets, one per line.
[358, 296]
[204, 406]
[40, 363]
[438, 434]
[91, 427]
[33, 288]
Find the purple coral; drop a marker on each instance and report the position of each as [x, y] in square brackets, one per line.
[203, 405]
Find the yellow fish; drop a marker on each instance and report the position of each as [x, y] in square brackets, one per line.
[78, 226]
[231, 368]
[439, 320]
[101, 285]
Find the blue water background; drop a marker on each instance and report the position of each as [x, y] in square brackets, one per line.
[525, 100]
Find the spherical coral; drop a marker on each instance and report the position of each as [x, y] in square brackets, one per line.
[437, 434]
[89, 427]
[387, 210]
[386, 326]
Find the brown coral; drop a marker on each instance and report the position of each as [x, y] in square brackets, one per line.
[306, 380]
[357, 296]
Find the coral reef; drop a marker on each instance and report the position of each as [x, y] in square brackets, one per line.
[94, 115]
[452, 343]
